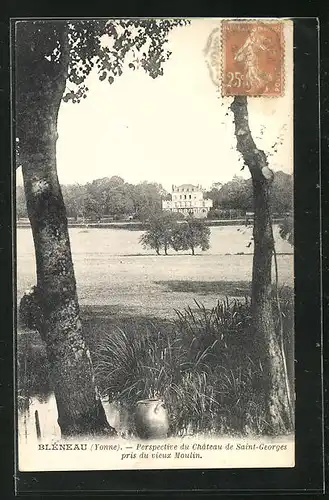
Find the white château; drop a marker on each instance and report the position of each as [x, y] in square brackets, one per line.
[189, 200]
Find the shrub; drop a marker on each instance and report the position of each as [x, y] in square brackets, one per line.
[286, 230]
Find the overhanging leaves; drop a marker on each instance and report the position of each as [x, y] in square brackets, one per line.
[114, 45]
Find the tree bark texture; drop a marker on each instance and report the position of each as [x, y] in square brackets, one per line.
[271, 357]
[40, 84]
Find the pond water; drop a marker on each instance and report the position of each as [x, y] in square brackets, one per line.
[47, 415]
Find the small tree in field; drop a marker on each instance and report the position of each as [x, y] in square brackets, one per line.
[161, 231]
[152, 238]
[190, 235]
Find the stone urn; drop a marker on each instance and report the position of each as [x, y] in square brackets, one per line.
[151, 419]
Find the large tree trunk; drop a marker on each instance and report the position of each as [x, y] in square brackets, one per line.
[39, 88]
[268, 345]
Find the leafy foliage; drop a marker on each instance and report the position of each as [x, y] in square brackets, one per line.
[191, 234]
[146, 198]
[112, 197]
[165, 230]
[282, 191]
[237, 194]
[161, 231]
[287, 230]
[113, 46]
[109, 197]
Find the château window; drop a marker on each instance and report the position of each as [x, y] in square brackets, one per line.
[190, 196]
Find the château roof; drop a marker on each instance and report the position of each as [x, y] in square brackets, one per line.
[187, 186]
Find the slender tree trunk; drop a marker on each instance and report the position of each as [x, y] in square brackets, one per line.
[192, 249]
[40, 86]
[267, 343]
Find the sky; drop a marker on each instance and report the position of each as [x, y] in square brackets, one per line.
[172, 130]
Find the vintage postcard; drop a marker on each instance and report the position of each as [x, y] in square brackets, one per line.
[154, 243]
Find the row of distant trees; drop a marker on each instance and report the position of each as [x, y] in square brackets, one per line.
[169, 231]
[114, 198]
[110, 197]
[238, 194]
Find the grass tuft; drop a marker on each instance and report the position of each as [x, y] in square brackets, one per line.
[203, 368]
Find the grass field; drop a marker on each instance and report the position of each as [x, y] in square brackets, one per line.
[114, 273]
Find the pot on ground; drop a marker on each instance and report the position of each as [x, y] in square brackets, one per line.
[151, 419]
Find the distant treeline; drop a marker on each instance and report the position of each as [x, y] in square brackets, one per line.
[237, 195]
[111, 198]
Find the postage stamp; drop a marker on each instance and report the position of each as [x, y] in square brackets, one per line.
[253, 58]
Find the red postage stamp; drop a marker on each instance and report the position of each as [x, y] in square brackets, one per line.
[253, 54]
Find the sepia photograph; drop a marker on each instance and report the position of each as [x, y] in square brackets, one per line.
[154, 247]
